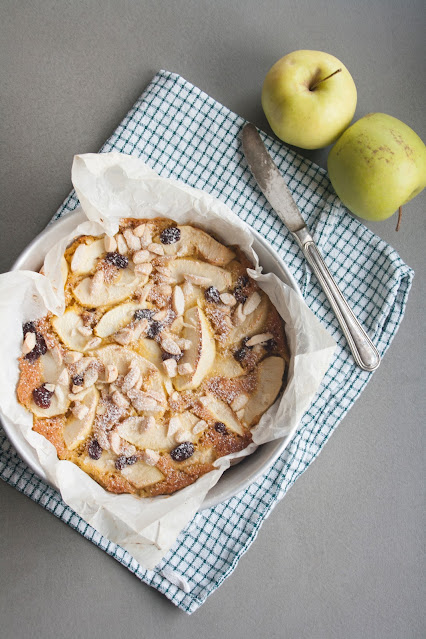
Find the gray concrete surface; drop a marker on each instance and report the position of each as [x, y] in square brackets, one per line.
[342, 555]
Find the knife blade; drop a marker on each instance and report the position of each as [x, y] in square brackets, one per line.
[274, 187]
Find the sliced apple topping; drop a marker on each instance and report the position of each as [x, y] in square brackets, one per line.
[200, 273]
[79, 426]
[115, 319]
[141, 474]
[221, 412]
[269, 381]
[226, 367]
[124, 285]
[146, 432]
[86, 257]
[194, 241]
[51, 398]
[201, 353]
[72, 331]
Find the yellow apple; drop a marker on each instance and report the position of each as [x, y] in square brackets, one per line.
[309, 98]
[377, 165]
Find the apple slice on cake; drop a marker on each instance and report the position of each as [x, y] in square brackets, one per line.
[200, 273]
[122, 287]
[195, 241]
[201, 354]
[269, 381]
[76, 430]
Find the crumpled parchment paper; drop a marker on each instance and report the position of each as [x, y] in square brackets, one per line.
[111, 186]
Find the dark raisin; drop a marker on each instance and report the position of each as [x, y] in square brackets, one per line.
[270, 345]
[239, 295]
[120, 261]
[170, 235]
[94, 450]
[220, 428]
[39, 349]
[78, 380]
[182, 452]
[240, 354]
[42, 397]
[120, 462]
[243, 281]
[165, 355]
[29, 327]
[154, 328]
[131, 460]
[212, 295]
[143, 313]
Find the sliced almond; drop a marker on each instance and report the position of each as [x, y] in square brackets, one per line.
[185, 369]
[90, 377]
[170, 346]
[139, 230]
[57, 355]
[111, 373]
[50, 387]
[121, 244]
[160, 316]
[184, 344]
[110, 244]
[141, 401]
[64, 378]
[119, 399]
[183, 436]
[132, 241]
[170, 366]
[79, 410]
[228, 299]
[199, 427]
[146, 238]
[240, 413]
[158, 249]
[142, 256]
[131, 379]
[141, 294]
[29, 343]
[178, 300]
[86, 331]
[143, 269]
[150, 457]
[261, 338]
[93, 343]
[72, 357]
[251, 303]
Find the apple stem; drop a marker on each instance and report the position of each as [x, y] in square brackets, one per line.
[399, 218]
[314, 86]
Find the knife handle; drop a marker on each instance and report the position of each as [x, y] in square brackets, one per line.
[363, 350]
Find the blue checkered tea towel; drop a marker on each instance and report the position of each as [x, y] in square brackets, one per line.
[183, 133]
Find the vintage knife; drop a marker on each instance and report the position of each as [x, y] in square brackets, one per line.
[278, 195]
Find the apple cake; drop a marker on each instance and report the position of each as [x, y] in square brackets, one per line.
[166, 357]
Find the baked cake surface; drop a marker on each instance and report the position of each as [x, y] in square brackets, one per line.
[166, 357]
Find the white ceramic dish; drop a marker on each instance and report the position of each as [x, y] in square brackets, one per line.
[237, 478]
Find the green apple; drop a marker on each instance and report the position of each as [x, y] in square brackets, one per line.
[377, 165]
[309, 98]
